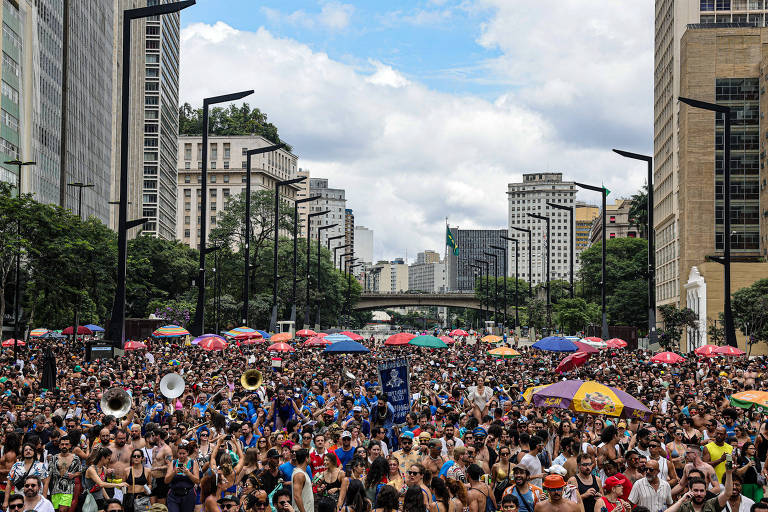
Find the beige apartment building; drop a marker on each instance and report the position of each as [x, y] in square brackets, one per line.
[226, 178]
[616, 223]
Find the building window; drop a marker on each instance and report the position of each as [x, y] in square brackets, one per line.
[612, 219]
[10, 120]
[244, 164]
[244, 177]
[150, 184]
[214, 152]
[150, 114]
[151, 100]
[152, 58]
[187, 165]
[150, 198]
[187, 178]
[10, 65]
[187, 206]
[10, 92]
[612, 235]
[187, 151]
[213, 206]
[9, 148]
[153, 72]
[150, 156]
[213, 192]
[225, 192]
[707, 5]
[213, 178]
[213, 165]
[187, 192]
[226, 164]
[150, 170]
[226, 178]
[226, 151]
[213, 221]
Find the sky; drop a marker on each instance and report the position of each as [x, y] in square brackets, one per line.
[427, 109]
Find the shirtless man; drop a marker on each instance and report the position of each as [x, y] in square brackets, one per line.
[433, 460]
[555, 485]
[121, 453]
[137, 442]
[482, 491]
[694, 462]
[161, 458]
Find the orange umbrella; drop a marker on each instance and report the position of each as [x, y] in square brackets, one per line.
[316, 342]
[281, 336]
[280, 347]
[213, 343]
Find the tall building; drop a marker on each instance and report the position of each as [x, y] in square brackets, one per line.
[428, 256]
[472, 243]
[724, 65]
[303, 208]
[12, 141]
[153, 118]
[583, 216]
[349, 234]
[532, 196]
[364, 244]
[226, 178]
[616, 222]
[389, 276]
[333, 200]
[426, 276]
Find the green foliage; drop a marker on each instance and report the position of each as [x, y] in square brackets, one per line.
[638, 211]
[750, 311]
[484, 290]
[558, 289]
[628, 305]
[716, 330]
[536, 314]
[231, 120]
[576, 314]
[675, 321]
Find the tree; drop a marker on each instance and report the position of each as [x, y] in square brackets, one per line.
[638, 211]
[576, 314]
[750, 311]
[716, 331]
[628, 305]
[536, 314]
[675, 320]
[484, 291]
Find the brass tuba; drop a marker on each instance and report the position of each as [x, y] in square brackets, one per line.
[348, 375]
[116, 401]
[251, 380]
[172, 385]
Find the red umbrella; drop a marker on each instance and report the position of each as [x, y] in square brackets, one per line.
[447, 339]
[616, 343]
[305, 333]
[134, 345]
[352, 335]
[281, 347]
[706, 350]
[81, 329]
[212, 344]
[248, 336]
[583, 347]
[316, 342]
[572, 361]
[459, 332]
[595, 339]
[321, 335]
[728, 351]
[251, 340]
[399, 339]
[9, 343]
[667, 357]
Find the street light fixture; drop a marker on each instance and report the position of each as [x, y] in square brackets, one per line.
[317, 295]
[349, 298]
[517, 255]
[247, 264]
[604, 193]
[571, 241]
[80, 186]
[652, 335]
[345, 246]
[309, 244]
[480, 269]
[549, 254]
[295, 249]
[117, 319]
[495, 284]
[504, 252]
[530, 258]
[487, 286]
[330, 239]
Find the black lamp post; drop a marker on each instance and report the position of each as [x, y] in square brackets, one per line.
[549, 252]
[480, 271]
[216, 287]
[572, 231]
[517, 255]
[604, 193]
[80, 186]
[247, 264]
[487, 286]
[309, 244]
[345, 246]
[317, 295]
[328, 243]
[295, 248]
[530, 258]
[495, 284]
[349, 291]
[117, 319]
[504, 252]
[652, 337]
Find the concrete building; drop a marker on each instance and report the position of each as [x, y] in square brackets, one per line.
[472, 243]
[363, 244]
[616, 222]
[428, 256]
[12, 141]
[389, 276]
[583, 215]
[226, 178]
[724, 65]
[427, 277]
[333, 200]
[303, 208]
[349, 235]
[531, 196]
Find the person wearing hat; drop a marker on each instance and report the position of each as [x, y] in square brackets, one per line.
[346, 451]
[229, 503]
[406, 455]
[527, 494]
[555, 486]
[270, 476]
[613, 488]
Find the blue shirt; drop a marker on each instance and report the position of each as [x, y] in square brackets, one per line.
[252, 443]
[345, 456]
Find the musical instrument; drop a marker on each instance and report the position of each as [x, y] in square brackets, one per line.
[251, 380]
[232, 415]
[424, 400]
[116, 401]
[347, 375]
[172, 385]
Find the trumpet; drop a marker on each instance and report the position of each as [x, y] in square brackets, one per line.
[251, 380]
[424, 400]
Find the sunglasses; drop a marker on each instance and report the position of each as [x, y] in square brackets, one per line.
[260, 504]
[18, 506]
[413, 473]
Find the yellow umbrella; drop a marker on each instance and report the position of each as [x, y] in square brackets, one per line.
[528, 393]
[491, 338]
[503, 352]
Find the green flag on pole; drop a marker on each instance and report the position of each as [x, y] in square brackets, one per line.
[450, 241]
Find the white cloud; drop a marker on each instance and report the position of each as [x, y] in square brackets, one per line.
[409, 156]
[333, 16]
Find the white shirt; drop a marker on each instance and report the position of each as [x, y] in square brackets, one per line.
[43, 505]
[744, 505]
[533, 464]
[645, 495]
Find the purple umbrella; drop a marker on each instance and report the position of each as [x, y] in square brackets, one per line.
[204, 336]
[590, 397]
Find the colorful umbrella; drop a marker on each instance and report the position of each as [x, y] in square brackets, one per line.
[170, 331]
[746, 399]
[555, 344]
[729, 351]
[202, 337]
[503, 352]
[264, 334]
[247, 336]
[594, 342]
[346, 347]
[334, 338]
[252, 340]
[213, 343]
[492, 338]
[705, 350]
[281, 336]
[590, 397]
[616, 343]
[94, 328]
[305, 333]
[34, 333]
[583, 347]
[528, 393]
[447, 339]
[572, 361]
[240, 330]
[316, 342]
[352, 335]
[594, 339]
[280, 347]
[459, 332]
[81, 329]
[428, 341]
[134, 345]
[10, 343]
[667, 357]
[401, 338]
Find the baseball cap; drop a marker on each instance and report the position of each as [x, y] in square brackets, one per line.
[554, 482]
[346, 433]
[272, 453]
[611, 482]
[556, 469]
[229, 497]
[425, 436]
[407, 434]
[357, 408]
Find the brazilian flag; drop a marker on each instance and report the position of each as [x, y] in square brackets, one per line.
[450, 241]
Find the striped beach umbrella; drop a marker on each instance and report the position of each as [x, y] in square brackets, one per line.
[36, 333]
[170, 331]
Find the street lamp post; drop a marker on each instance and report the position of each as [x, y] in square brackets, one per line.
[317, 295]
[247, 264]
[80, 186]
[604, 193]
[571, 241]
[345, 246]
[517, 255]
[117, 319]
[530, 258]
[725, 261]
[504, 252]
[349, 291]
[480, 271]
[495, 284]
[486, 286]
[16, 295]
[328, 243]
[309, 244]
[295, 248]
[549, 253]
[652, 336]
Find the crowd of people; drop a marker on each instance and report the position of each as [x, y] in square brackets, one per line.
[314, 438]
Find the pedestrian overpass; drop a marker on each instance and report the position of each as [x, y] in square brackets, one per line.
[394, 300]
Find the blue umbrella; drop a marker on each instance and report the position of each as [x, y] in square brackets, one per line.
[346, 347]
[265, 334]
[555, 344]
[95, 328]
[333, 338]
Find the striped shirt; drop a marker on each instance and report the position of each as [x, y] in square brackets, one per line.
[645, 495]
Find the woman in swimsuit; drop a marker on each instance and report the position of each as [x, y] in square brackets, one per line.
[139, 480]
[500, 473]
